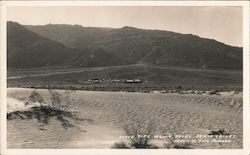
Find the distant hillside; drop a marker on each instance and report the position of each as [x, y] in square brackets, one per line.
[27, 49]
[133, 45]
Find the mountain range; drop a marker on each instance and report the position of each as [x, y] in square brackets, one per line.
[77, 46]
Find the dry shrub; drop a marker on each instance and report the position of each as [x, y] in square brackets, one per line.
[140, 136]
[36, 97]
[60, 100]
[58, 107]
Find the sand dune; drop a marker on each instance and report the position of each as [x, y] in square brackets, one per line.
[106, 113]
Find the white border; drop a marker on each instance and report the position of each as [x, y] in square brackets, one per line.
[125, 3]
[246, 79]
[246, 59]
[3, 76]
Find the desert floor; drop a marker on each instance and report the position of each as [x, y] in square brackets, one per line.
[99, 118]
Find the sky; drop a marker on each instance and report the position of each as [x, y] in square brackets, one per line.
[224, 24]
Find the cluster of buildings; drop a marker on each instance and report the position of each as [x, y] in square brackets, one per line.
[114, 80]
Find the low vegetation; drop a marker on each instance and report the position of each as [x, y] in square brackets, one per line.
[137, 88]
[139, 137]
[58, 107]
[60, 100]
[43, 115]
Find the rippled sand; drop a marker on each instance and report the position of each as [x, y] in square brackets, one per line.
[106, 113]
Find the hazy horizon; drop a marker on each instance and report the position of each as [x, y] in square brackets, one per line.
[223, 24]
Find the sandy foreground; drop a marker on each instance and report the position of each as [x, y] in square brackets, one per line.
[104, 114]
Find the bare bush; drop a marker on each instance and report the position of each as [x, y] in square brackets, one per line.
[57, 107]
[67, 99]
[36, 97]
[60, 100]
[140, 136]
[55, 99]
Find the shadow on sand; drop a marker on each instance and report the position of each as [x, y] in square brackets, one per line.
[44, 113]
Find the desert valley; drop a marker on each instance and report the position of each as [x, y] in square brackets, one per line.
[71, 86]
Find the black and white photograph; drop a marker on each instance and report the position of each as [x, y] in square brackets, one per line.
[124, 77]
